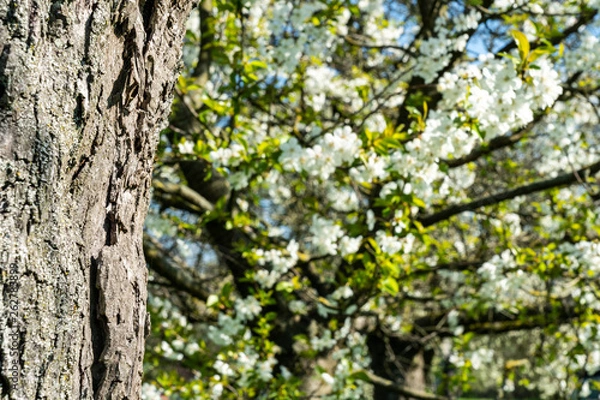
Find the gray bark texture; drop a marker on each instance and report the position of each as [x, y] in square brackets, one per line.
[84, 88]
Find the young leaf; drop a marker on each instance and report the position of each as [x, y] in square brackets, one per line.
[522, 43]
[390, 285]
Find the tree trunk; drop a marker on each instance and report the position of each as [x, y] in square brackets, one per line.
[404, 362]
[84, 88]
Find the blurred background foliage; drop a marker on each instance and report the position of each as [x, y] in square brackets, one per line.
[378, 199]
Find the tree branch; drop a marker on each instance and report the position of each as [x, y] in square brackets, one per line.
[491, 321]
[403, 390]
[185, 193]
[201, 72]
[494, 144]
[172, 269]
[561, 180]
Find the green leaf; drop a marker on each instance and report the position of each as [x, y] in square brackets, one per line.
[258, 64]
[361, 376]
[181, 82]
[271, 316]
[227, 289]
[537, 53]
[391, 143]
[284, 286]
[212, 300]
[510, 57]
[418, 202]
[413, 110]
[522, 43]
[374, 244]
[390, 285]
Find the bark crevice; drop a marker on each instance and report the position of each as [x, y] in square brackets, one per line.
[98, 328]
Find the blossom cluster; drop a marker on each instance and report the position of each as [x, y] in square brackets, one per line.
[279, 262]
[331, 151]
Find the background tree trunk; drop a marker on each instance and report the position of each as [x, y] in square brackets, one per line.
[84, 88]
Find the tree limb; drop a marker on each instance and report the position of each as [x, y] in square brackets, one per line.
[403, 390]
[172, 269]
[184, 192]
[201, 72]
[496, 143]
[561, 180]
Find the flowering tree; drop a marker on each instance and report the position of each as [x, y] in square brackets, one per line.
[372, 198]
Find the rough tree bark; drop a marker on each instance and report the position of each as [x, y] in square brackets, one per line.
[84, 88]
